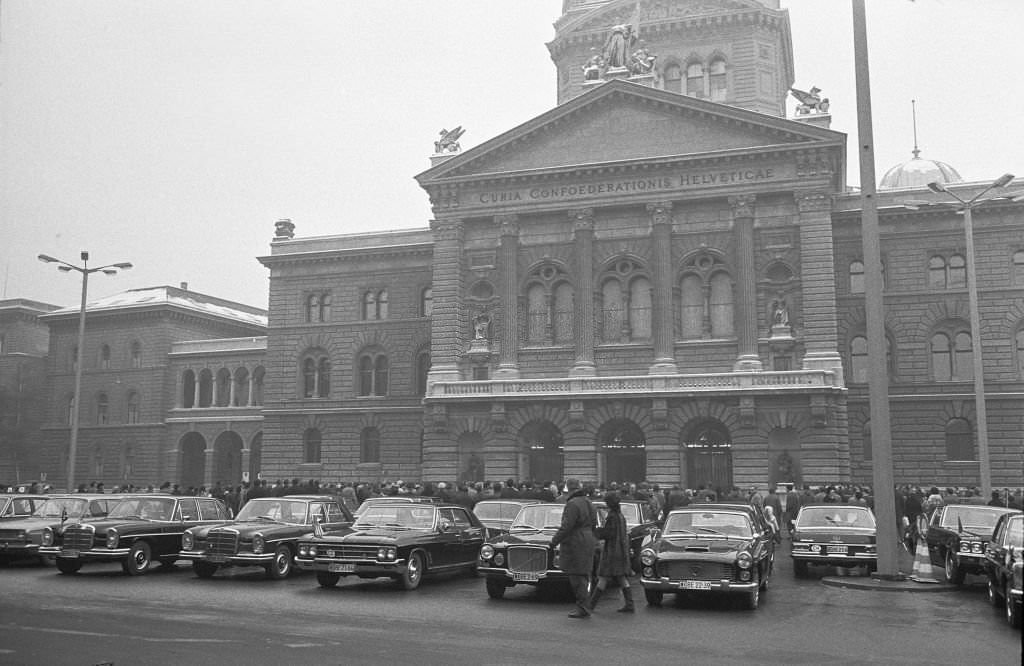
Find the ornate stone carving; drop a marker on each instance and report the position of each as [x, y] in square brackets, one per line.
[660, 212]
[508, 224]
[284, 230]
[742, 206]
[659, 413]
[447, 230]
[748, 412]
[809, 100]
[499, 420]
[577, 415]
[449, 141]
[812, 201]
[582, 219]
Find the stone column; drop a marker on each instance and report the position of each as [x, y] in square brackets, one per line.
[447, 321]
[195, 395]
[818, 283]
[248, 401]
[663, 320]
[508, 361]
[746, 278]
[583, 233]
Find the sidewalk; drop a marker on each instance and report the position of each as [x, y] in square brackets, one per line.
[905, 565]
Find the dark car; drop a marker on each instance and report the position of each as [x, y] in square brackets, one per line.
[399, 540]
[19, 505]
[265, 533]
[21, 538]
[641, 522]
[139, 530]
[523, 556]
[1004, 564]
[497, 514]
[712, 548]
[957, 535]
[840, 535]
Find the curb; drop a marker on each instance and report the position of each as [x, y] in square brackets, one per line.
[879, 585]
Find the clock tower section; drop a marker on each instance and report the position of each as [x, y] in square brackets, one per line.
[736, 52]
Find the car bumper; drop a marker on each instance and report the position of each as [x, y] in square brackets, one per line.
[723, 586]
[971, 562]
[95, 554]
[527, 577]
[19, 549]
[836, 559]
[361, 568]
[238, 559]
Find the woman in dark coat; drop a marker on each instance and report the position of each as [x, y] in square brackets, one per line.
[614, 565]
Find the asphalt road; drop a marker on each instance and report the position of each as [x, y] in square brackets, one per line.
[171, 617]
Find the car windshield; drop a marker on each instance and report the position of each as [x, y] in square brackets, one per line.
[56, 506]
[538, 517]
[971, 517]
[631, 512]
[144, 508]
[406, 515]
[708, 522]
[835, 516]
[497, 510]
[282, 510]
[1015, 532]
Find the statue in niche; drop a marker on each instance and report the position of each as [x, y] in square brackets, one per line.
[449, 141]
[481, 326]
[780, 313]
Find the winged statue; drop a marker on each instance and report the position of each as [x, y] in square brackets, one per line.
[449, 141]
[809, 100]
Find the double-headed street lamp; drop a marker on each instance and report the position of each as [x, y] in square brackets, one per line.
[966, 206]
[65, 267]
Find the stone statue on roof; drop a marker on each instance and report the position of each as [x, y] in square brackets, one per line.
[449, 141]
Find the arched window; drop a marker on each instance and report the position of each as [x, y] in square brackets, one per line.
[937, 273]
[1018, 269]
[135, 355]
[563, 322]
[427, 302]
[105, 357]
[241, 383]
[942, 358]
[316, 375]
[382, 304]
[422, 371]
[536, 314]
[132, 415]
[857, 277]
[859, 360]
[673, 77]
[640, 309]
[205, 388]
[312, 307]
[693, 308]
[721, 305]
[1019, 346]
[957, 272]
[258, 377]
[369, 445]
[373, 374]
[695, 79]
[311, 445]
[613, 310]
[223, 397]
[963, 360]
[959, 440]
[716, 80]
[188, 389]
[375, 304]
[102, 409]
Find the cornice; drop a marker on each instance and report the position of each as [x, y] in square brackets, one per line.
[339, 255]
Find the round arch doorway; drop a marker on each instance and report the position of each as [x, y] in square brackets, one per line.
[542, 441]
[708, 448]
[193, 460]
[624, 447]
[227, 458]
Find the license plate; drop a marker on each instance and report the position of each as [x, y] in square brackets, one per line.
[217, 559]
[836, 550]
[69, 553]
[525, 576]
[341, 568]
[695, 585]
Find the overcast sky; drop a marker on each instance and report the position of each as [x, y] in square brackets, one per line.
[173, 133]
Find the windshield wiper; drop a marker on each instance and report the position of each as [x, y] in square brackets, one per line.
[680, 531]
[712, 531]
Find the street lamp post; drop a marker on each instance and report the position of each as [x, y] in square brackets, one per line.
[967, 206]
[65, 267]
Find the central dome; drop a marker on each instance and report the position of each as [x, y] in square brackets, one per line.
[919, 172]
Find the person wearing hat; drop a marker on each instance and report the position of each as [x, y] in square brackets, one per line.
[578, 542]
[614, 565]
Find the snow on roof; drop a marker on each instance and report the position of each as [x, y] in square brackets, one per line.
[174, 297]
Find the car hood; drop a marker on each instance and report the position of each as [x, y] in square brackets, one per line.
[375, 535]
[247, 528]
[523, 538]
[123, 526]
[701, 546]
[33, 523]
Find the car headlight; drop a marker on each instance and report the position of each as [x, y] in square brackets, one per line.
[47, 536]
[744, 560]
[976, 548]
[188, 541]
[486, 551]
[312, 550]
[815, 548]
[112, 538]
[258, 544]
[387, 553]
[647, 557]
[303, 550]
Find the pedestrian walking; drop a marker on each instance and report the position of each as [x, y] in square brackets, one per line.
[615, 565]
[578, 542]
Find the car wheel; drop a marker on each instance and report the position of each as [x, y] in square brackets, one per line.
[327, 579]
[753, 598]
[654, 597]
[993, 592]
[764, 582]
[410, 580]
[66, 566]
[139, 558]
[954, 574]
[281, 566]
[799, 568]
[1013, 609]
[495, 588]
[204, 569]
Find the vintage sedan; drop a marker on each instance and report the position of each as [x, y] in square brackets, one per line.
[497, 514]
[21, 538]
[139, 530]
[399, 540]
[265, 533]
[1004, 565]
[523, 556]
[957, 535]
[14, 506]
[709, 548]
[838, 535]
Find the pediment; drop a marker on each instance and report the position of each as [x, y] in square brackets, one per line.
[622, 122]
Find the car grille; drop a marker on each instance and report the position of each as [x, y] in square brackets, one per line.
[696, 570]
[345, 552]
[79, 537]
[527, 559]
[222, 542]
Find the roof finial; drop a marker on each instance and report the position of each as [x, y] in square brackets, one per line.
[913, 113]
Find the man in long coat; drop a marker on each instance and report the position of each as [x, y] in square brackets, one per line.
[578, 542]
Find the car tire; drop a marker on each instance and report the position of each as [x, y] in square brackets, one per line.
[764, 582]
[1013, 608]
[281, 566]
[654, 597]
[799, 569]
[753, 598]
[993, 593]
[495, 588]
[954, 574]
[204, 569]
[140, 556]
[413, 574]
[68, 566]
[327, 579]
